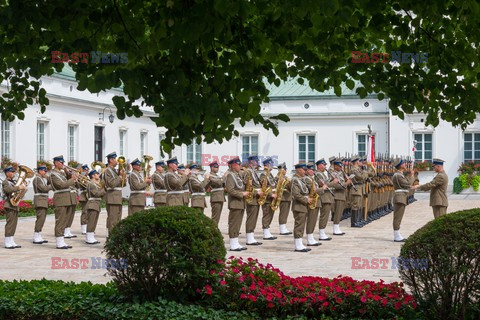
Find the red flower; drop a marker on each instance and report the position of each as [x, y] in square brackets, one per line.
[208, 289]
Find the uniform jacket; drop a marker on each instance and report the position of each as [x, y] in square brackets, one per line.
[339, 190]
[235, 188]
[287, 195]
[320, 178]
[160, 191]
[137, 189]
[61, 189]
[401, 182]
[270, 183]
[41, 188]
[312, 183]
[438, 190]
[358, 180]
[94, 194]
[8, 188]
[217, 182]
[197, 186]
[256, 183]
[113, 184]
[299, 194]
[83, 192]
[174, 183]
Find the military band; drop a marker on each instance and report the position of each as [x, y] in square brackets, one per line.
[349, 187]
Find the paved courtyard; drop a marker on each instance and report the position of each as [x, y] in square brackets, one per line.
[331, 259]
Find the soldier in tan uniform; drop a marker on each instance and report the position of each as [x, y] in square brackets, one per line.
[174, 183]
[197, 188]
[340, 190]
[62, 199]
[186, 188]
[266, 208]
[71, 209]
[327, 198]
[40, 201]
[113, 196]
[402, 186]
[252, 208]
[138, 198]
[356, 193]
[95, 191]
[285, 204]
[312, 214]
[217, 192]
[11, 212]
[438, 189]
[300, 201]
[158, 181]
[236, 203]
[330, 171]
[83, 201]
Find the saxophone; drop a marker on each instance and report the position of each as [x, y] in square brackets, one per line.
[313, 195]
[281, 184]
[266, 190]
[249, 188]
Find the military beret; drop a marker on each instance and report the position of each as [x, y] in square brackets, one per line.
[235, 160]
[214, 164]
[337, 163]
[172, 160]
[438, 162]
[91, 173]
[58, 158]
[321, 161]
[44, 168]
[193, 166]
[136, 162]
[300, 166]
[112, 155]
[160, 163]
[310, 166]
[85, 166]
[267, 161]
[181, 166]
[9, 169]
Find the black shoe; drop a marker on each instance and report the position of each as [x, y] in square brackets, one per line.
[326, 239]
[403, 240]
[45, 241]
[303, 250]
[17, 246]
[243, 248]
[96, 242]
[12, 247]
[67, 237]
[38, 242]
[238, 249]
[339, 234]
[255, 244]
[314, 245]
[64, 247]
[69, 247]
[271, 238]
[73, 236]
[286, 233]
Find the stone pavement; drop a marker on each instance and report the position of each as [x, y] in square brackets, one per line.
[331, 259]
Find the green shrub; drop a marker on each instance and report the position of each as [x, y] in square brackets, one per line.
[449, 288]
[457, 186]
[170, 252]
[58, 300]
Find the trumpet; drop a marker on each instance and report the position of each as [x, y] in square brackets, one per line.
[121, 166]
[82, 179]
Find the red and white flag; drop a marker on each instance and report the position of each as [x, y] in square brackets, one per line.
[371, 149]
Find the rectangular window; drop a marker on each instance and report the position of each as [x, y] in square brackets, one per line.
[98, 143]
[143, 143]
[123, 142]
[249, 145]
[72, 142]
[471, 146]
[194, 153]
[362, 144]
[423, 148]
[41, 140]
[306, 148]
[6, 152]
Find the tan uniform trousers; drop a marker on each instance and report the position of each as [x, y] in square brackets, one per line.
[284, 211]
[11, 223]
[61, 220]
[398, 211]
[216, 211]
[70, 215]
[84, 216]
[299, 227]
[92, 220]
[324, 213]
[267, 216]
[338, 212]
[134, 209]
[114, 215]
[356, 202]
[41, 216]
[252, 217]
[439, 211]
[312, 217]
[235, 218]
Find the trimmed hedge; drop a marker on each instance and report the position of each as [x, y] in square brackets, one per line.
[58, 300]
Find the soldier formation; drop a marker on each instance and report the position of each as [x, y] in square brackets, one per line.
[350, 188]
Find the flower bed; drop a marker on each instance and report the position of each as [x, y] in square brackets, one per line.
[252, 286]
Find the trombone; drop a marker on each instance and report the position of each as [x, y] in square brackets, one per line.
[82, 179]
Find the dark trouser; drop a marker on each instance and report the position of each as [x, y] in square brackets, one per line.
[339, 207]
[199, 208]
[399, 209]
[61, 220]
[11, 224]
[324, 212]
[134, 209]
[158, 204]
[252, 217]
[312, 217]
[216, 211]
[439, 211]
[284, 211]
[92, 220]
[267, 216]
[114, 215]
[235, 218]
[83, 217]
[299, 228]
[70, 215]
[41, 216]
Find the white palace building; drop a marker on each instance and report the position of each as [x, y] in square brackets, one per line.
[83, 127]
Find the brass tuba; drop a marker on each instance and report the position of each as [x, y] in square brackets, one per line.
[24, 173]
[122, 166]
[146, 167]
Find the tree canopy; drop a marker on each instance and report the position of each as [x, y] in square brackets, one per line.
[201, 64]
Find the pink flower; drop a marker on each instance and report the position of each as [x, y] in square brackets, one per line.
[208, 289]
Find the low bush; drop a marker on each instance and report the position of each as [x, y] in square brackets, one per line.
[449, 288]
[170, 252]
[252, 286]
